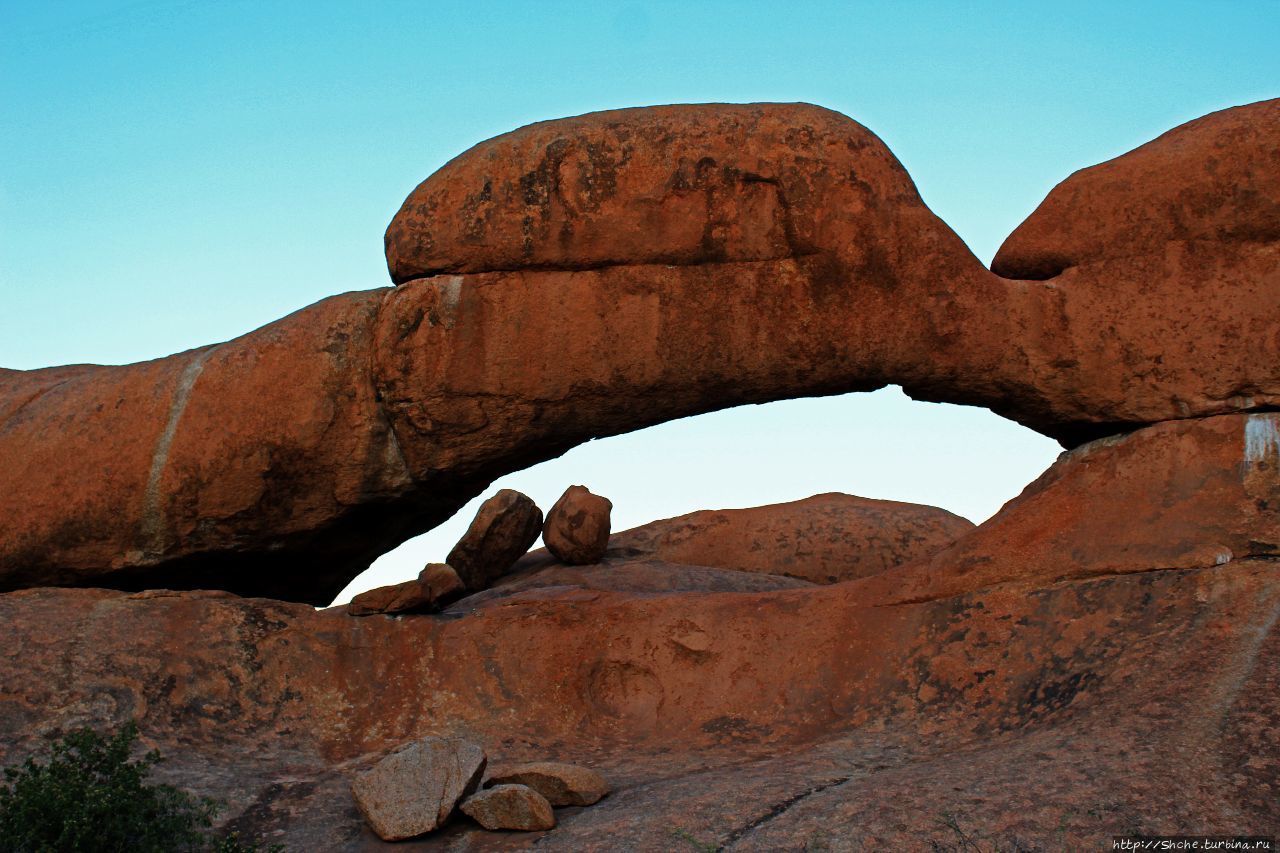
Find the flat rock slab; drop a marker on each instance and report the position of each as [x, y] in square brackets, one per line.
[510, 807]
[414, 790]
[562, 784]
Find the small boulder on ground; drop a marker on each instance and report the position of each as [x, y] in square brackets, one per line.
[562, 784]
[510, 807]
[435, 586]
[577, 528]
[415, 789]
[504, 528]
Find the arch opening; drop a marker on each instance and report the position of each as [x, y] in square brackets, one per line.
[881, 445]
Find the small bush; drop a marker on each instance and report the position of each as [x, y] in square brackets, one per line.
[91, 797]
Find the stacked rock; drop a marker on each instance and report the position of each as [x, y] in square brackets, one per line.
[417, 788]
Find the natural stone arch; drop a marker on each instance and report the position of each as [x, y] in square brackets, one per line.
[281, 462]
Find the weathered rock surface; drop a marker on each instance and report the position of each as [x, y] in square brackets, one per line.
[510, 807]
[577, 528]
[505, 527]
[415, 789]
[1213, 182]
[676, 185]
[816, 270]
[435, 586]
[823, 539]
[561, 784]
[1058, 691]
[1206, 495]
[540, 574]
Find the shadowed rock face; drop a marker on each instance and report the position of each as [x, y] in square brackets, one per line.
[1066, 695]
[610, 272]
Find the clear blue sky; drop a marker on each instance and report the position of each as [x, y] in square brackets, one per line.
[173, 174]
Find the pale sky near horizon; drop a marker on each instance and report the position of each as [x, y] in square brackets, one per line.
[174, 174]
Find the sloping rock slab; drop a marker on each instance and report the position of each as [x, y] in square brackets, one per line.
[823, 539]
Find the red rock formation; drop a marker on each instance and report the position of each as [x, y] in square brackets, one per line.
[822, 539]
[1210, 186]
[263, 464]
[816, 270]
[1065, 695]
[1179, 495]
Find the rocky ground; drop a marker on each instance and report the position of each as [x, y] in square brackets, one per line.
[1099, 658]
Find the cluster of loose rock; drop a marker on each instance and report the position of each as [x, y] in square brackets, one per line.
[576, 531]
[418, 787]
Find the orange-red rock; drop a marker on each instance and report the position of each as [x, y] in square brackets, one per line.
[283, 462]
[540, 571]
[504, 528]
[1178, 495]
[1213, 182]
[263, 464]
[577, 527]
[435, 586]
[1067, 693]
[824, 539]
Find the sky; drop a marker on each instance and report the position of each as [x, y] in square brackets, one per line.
[179, 173]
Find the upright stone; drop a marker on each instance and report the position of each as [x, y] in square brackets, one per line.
[504, 528]
[577, 528]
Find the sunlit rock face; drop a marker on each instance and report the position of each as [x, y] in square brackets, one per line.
[835, 672]
[595, 275]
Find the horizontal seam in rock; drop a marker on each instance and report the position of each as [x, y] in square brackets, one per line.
[604, 265]
[1150, 252]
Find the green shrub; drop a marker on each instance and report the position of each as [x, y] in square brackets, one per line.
[90, 797]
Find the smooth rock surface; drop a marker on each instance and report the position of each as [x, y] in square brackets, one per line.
[510, 807]
[504, 528]
[562, 784]
[823, 539]
[577, 527]
[415, 789]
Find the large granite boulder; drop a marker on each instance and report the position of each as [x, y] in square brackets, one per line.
[283, 462]
[1211, 184]
[413, 790]
[504, 528]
